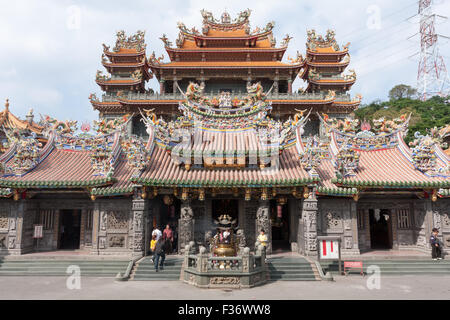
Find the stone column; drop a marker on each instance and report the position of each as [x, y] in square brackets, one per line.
[96, 227]
[289, 86]
[175, 85]
[309, 226]
[275, 86]
[185, 225]
[138, 210]
[161, 87]
[263, 222]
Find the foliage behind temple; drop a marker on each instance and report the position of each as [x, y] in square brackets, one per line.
[434, 112]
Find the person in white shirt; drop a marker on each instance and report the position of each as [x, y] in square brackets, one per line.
[157, 233]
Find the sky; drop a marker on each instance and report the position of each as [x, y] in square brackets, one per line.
[51, 50]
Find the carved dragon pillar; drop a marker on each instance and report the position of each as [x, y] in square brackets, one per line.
[308, 226]
[185, 225]
[263, 222]
[139, 207]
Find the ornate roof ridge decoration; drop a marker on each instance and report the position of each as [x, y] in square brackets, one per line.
[298, 60]
[224, 112]
[106, 127]
[9, 121]
[137, 154]
[225, 23]
[346, 161]
[104, 154]
[314, 151]
[67, 127]
[423, 153]
[384, 134]
[135, 41]
[314, 40]
[27, 153]
[155, 61]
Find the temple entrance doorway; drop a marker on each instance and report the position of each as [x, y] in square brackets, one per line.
[225, 206]
[279, 216]
[69, 229]
[380, 228]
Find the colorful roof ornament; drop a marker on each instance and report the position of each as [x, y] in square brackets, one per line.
[315, 40]
[109, 126]
[61, 127]
[135, 41]
[424, 153]
[26, 156]
[313, 152]
[136, 152]
[346, 160]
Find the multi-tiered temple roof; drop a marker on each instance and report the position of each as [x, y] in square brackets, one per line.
[227, 55]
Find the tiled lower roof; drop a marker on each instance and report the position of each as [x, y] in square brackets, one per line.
[164, 172]
[60, 169]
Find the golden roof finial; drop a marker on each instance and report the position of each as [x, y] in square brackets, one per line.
[7, 104]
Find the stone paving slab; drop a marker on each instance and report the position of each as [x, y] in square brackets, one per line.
[391, 287]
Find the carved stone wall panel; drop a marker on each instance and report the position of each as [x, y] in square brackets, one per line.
[117, 241]
[118, 219]
[4, 220]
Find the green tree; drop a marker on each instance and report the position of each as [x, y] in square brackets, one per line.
[434, 112]
[402, 91]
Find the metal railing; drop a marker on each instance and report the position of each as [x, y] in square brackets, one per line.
[179, 96]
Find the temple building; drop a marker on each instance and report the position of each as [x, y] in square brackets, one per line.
[224, 136]
[226, 56]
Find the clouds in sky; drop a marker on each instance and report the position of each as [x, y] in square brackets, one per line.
[52, 49]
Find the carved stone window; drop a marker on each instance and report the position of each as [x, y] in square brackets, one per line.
[403, 218]
[333, 220]
[46, 218]
[118, 219]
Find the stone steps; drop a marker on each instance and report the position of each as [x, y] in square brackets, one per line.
[290, 269]
[145, 270]
[36, 267]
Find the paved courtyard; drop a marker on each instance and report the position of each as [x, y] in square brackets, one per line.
[352, 287]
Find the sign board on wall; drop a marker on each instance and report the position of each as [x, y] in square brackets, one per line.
[38, 231]
[329, 249]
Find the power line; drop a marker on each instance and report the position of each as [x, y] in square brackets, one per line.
[359, 30]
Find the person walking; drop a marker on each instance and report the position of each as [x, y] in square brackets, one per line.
[436, 250]
[157, 233]
[160, 253]
[168, 235]
[152, 246]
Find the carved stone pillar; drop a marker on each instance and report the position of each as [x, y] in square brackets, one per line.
[308, 223]
[263, 222]
[138, 209]
[185, 225]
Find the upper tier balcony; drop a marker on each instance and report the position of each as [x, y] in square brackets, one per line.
[240, 95]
